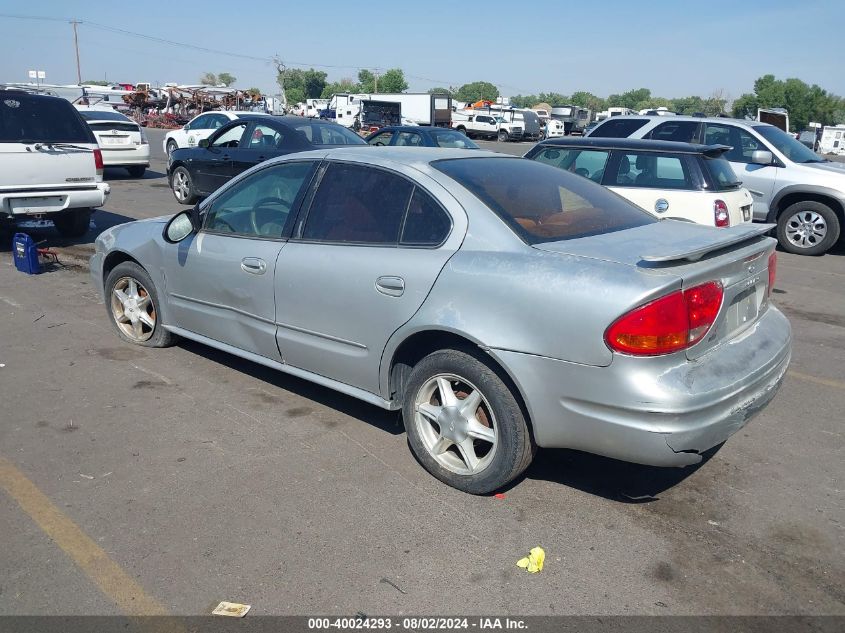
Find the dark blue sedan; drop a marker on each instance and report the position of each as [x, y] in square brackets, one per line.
[195, 172]
[419, 136]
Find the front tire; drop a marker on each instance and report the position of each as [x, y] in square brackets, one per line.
[464, 423]
[503, 136]
[133, 307]
[171, 147]
[183, 186]
[73, 223]
[808, 228]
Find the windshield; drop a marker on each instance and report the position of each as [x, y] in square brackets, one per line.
[542, 203]
[35, 119]
[794, 150]
[329, 134]
[103, 115]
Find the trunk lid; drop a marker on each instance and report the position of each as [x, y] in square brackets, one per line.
[737, 257]
[35, 166]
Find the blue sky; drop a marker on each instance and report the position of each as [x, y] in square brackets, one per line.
[675, 48]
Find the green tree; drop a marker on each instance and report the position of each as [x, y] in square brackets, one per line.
[366, 81]
[804, 103]
[476, 91]
[524, 101]
[442, 91]
[630, 99]
[392, 81]
[226, 79]
[346, 84]
[98, 82]
[208, 79]
[553, 98]
[314, 81]
[588, 100]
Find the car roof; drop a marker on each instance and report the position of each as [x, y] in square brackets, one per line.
[637, 144]
[17, 92]
[406, 155]
[687, 117]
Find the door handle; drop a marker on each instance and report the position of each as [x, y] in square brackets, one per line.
[390, 286]
[253, 265]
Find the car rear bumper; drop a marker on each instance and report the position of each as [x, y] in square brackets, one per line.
[657, 411]
[31, 202]
[136, 155]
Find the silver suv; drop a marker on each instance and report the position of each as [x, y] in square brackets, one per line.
[791, 185]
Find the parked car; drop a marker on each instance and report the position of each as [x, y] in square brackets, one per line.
[420, 136]
[122, 141]
[792, 186]
[590, 127]
[667, 179]
[500, 303]
[243, 143]
[50, 165]
[200, 127]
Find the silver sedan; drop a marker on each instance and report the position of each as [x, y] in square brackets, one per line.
[501, 304]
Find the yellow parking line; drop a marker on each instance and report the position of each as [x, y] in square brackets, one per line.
[106, 574]
[827, 382]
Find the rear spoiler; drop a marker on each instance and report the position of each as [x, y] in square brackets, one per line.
[693, 249]
[714, 151]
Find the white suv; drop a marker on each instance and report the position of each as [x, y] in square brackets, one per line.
[50, 165]
[200, 127]
[792, 186]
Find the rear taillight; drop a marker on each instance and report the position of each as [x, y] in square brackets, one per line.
[669, 324]
[720, 214]
[773, 268]
[144, 139]
[98, 160]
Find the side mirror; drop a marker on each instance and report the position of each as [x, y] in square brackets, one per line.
[203, 142]
[181, 226]
[762, 157]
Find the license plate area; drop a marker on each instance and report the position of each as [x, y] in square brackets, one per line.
[39, 204]
[115, 140]
[745, 308]
[746, 213]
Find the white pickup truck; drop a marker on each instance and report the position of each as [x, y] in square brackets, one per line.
[486, 126]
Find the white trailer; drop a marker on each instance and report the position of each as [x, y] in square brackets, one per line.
[832, 140]
[419, 107]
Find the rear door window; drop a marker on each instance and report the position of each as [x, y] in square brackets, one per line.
[681, 131]
[409, 138]
[742, 144]
[358, 204]
[382, 138]
[650, 170]
[541, 203]
[618, 128]
[38, 119]
[264, 137]
[426, 223]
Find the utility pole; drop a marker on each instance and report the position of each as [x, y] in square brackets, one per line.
[375, 81]
[76, 46]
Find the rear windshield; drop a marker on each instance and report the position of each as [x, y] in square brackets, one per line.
[448, 138]
[542, 203]
[103, 115]
[721, 173]
[329, 134]
[28, 118]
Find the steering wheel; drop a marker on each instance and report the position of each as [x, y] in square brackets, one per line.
[261, 202]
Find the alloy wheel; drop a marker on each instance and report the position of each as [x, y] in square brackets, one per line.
[181, 186]
[456, 424]
[132, 309]
[805, 229]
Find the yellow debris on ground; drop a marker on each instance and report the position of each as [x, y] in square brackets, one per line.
[534, 561]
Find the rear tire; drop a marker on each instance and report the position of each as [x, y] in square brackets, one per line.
[134, 310]
[808, 228]
[73, 223]
[183, 186]
[137, 171]
[478, 449]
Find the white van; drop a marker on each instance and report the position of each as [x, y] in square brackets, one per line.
[50, 165]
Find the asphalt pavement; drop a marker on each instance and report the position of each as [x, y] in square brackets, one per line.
[164, 481]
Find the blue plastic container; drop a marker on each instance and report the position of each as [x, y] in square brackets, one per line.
[25, 252]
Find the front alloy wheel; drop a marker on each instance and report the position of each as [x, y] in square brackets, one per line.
[133, 310]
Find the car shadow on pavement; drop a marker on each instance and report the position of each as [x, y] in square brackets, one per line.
[381, 419]
[118, 173]
[48, 237]
[609, 478]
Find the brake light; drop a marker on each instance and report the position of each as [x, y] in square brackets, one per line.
[144, 139]
[720, 214]
[773, 268]
[669, 324]
[98, 161]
